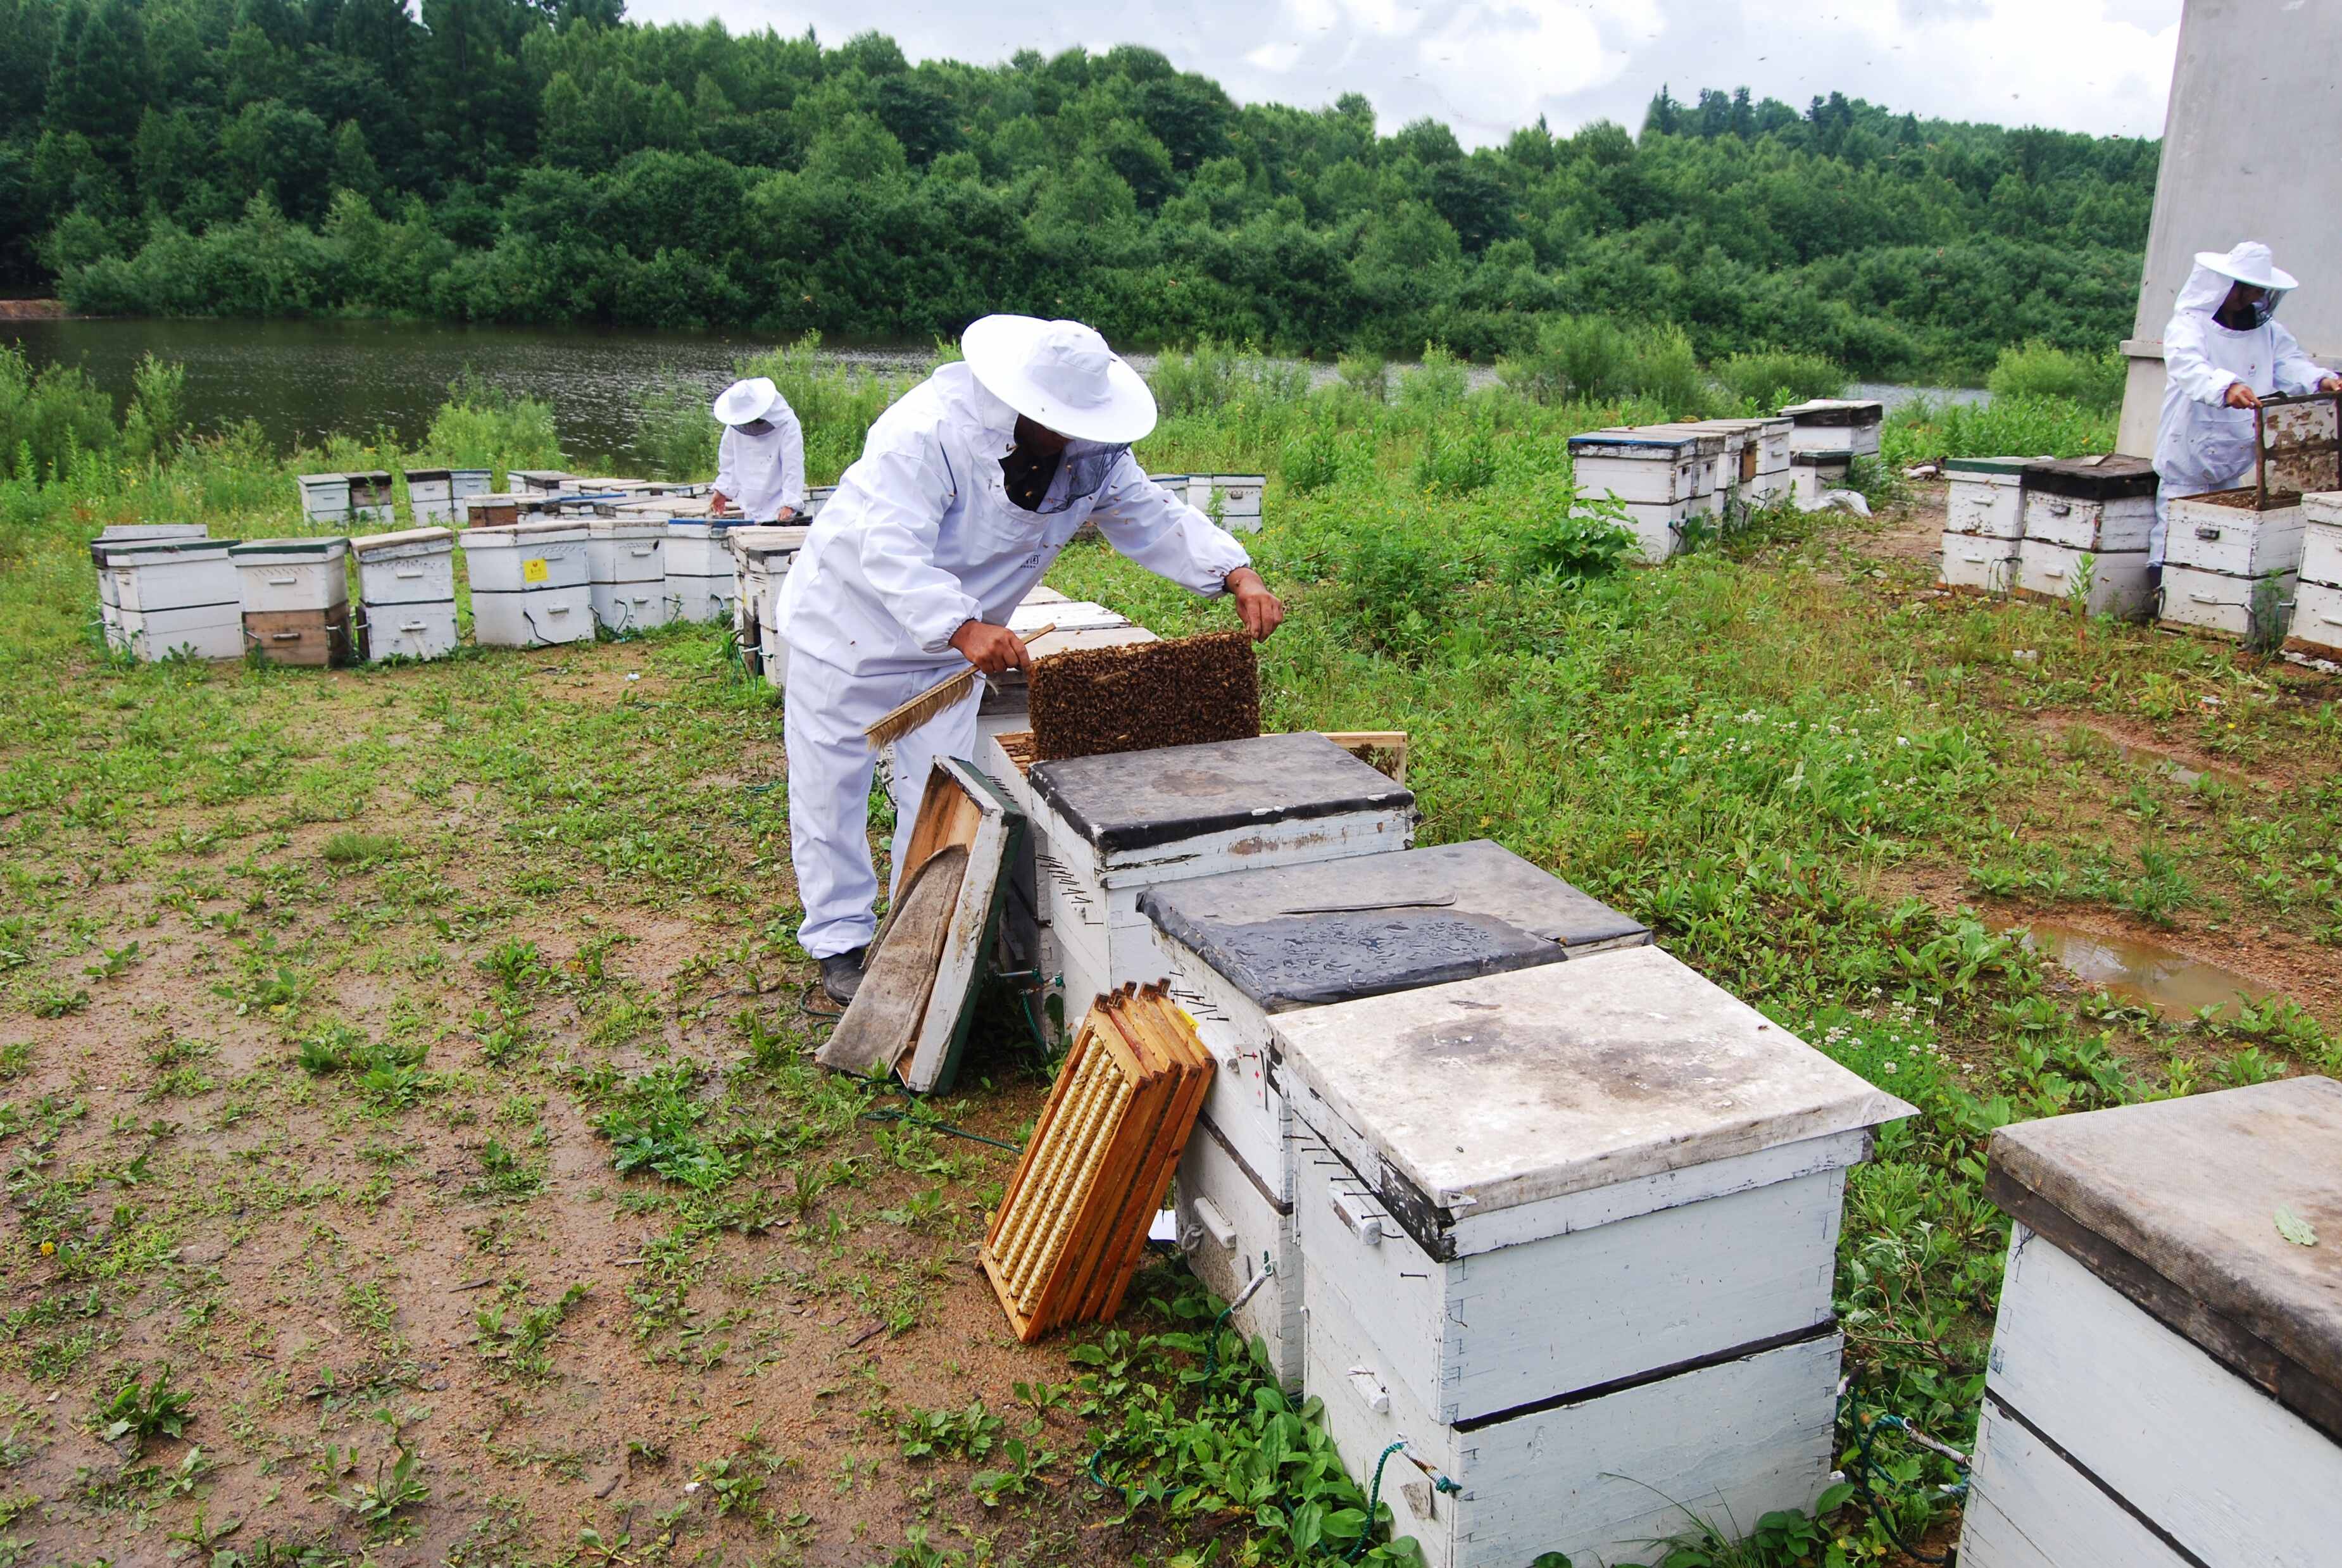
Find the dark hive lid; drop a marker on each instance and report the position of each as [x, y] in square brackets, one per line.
[1133, 799]
[2111, 480]
[1303, 935]
[2173, 1204]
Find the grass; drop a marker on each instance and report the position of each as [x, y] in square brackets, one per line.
[355, 1021]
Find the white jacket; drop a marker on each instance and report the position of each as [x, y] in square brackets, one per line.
[921, 537]
[2202, 445]
[759, 474]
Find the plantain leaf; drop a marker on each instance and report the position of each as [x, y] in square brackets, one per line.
[2294, 1228]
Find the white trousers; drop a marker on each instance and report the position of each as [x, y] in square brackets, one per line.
[830, 767]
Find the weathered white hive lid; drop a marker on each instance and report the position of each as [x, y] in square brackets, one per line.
[637, 527]
[540, 478]
[768, 539]
[1306, 936]
[2006, 465]
[150, 551]
[2092, 479]
[428, 474]
[1135, 800]
[1497, 1092]
[267, 552]
[2316, 506]
[1662, 442]
[1065, 615]
[1227, 479]
[1045, 595]
[137, 532]
[513, 535]
[403, 539]
[1834, 411]
[693, 528]
[2175, 1204]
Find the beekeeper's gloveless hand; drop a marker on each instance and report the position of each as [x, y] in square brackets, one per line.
[1261, 610]
[992, 649]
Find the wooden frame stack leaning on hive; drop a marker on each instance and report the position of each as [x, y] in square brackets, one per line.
[1072, 1224]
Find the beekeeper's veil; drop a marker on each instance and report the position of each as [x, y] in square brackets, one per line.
[2250, 263]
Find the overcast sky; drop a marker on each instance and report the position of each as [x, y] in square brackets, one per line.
[2100, 65]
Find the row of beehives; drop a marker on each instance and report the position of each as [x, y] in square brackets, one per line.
[462, 495]
[1233, 498]
[1478, 1165]
[167, 589]
[2079, 530]
[1671, 477]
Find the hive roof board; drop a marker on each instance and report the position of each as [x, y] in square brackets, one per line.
[1505, 1090]
[1835, 411]
[1646, 441]
[2110, 479]
[2173, 1204]
[1988, 465]
[1306, 936]
[368, 544]
[1122, 800]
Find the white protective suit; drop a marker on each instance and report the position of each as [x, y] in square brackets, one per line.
[2202, 445]
[761, 473]
[920, 538]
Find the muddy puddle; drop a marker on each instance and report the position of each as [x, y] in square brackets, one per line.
[2141, 972]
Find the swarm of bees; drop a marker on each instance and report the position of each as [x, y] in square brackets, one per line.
[1147, 696]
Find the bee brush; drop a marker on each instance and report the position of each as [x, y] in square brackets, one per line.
[896, 723]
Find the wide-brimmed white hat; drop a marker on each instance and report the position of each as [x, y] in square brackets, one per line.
[2250, 263]
[746, 402]
[1059, 374]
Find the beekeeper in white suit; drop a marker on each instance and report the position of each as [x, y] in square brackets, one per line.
[760, 462]
[966, 490]
[2222, 353]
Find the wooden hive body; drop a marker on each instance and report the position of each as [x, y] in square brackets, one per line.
[627, 569]
[1110, 827]
[1071, 1229]
[1550, 1213]
[531, 584]
[1244, 949]
[2165, 1385]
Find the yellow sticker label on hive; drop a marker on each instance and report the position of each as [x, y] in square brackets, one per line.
[534, 571]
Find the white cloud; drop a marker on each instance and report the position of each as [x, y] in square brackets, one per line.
[2097, 66]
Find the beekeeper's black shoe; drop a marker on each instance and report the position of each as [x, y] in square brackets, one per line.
[841, 974]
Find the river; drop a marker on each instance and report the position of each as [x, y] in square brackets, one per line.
[304, 379]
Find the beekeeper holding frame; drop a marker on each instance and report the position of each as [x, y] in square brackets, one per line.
[966, 490]
[2222, 353]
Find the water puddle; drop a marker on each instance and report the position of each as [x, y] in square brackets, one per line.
[2178, 772]
[2140, 971]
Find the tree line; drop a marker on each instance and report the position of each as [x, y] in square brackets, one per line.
[506, 160]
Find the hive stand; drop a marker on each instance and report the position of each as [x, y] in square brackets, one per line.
[2165, 1387]
[1253, 945]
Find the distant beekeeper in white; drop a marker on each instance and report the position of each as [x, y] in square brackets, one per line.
[2222, 353]
[760, 462]
[966, 490]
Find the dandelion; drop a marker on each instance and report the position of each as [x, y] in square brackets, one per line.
[48, 1249]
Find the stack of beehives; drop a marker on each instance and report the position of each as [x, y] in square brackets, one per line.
[1826, 435]
[2087, 525]
[2231, 563]
[1662, 475]
[1984, 523]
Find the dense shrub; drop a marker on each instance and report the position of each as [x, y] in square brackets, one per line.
[49, 417]
[1770, 378]
[2036, 369]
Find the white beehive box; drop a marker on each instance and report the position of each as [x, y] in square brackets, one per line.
[431, 495]
[372, 498]
[100, 550]
[1664, 475]
[530, 584]
[699, 577]
[2165, 1385]
[325, 497]
[2229, 606]
[173, 595]
[1754, 468]
[279, 575]
[1573, 1231]
[463, 483]
[1242, 949]
[2316, 629]
[2088, 519]
[1813, 475]
[1109, 827]
[761, 558]
[816, 497]
[2235, 540]
[626, 570]
[1984, 496]
[1835, 426]
[406, 593]
[542, 481]
[1239, 495]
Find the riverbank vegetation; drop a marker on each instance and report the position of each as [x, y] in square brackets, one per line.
[517, 162]
[402, 1077]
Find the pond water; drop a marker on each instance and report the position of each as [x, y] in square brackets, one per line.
[2141, 972]
[304, 379]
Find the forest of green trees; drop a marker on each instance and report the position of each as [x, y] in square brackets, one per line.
[499, 160]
